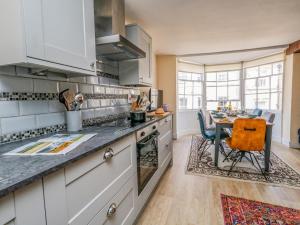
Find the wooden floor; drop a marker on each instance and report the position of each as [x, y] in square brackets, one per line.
[182, 199]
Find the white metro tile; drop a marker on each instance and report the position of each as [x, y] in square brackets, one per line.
[15, 84]
[17, 124]
[92, 80]
[8, 70]
[45, 86]
[105, 102]
[100, 112]
[56, 106]
[67, 85]
[110, 90]
[99, 89]
[51, 119]
[84, 104]
[88, 114]
[9, 108]
[86, 88]
[33, 107]
[93, 103]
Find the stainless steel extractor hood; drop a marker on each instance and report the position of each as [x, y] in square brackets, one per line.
[111, 42]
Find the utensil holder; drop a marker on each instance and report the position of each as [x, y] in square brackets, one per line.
[74, 121]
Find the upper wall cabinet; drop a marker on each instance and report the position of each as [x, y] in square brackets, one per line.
[138, 71]
[53, 34]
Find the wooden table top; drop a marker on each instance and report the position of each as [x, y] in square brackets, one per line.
[229, 119]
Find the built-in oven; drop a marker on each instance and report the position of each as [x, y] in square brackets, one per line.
[147, 155]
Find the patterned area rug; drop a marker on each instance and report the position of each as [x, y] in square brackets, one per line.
[247, 212]
[280, 173]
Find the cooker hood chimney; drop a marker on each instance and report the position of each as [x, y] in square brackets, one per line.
[110, 32]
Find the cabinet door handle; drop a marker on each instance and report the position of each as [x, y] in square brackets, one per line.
[166, 120]
[112, 210]
[109, 153]
[92, 65]
[167, 145]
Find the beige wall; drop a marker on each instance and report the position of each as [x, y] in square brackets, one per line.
[291, 101]
[166, 81]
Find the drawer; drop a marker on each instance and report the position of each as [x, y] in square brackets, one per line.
[121, 207]
[7, 209]
[165, 125]
[165, 147]
[81, 167]
[90, 192]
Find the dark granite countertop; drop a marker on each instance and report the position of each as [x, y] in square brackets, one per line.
[18, 171]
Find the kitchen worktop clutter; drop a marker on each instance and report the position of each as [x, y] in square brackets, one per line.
[73, 103]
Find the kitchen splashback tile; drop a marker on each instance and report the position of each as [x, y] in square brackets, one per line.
[45, 86]
[8, 70]
[33, 107]
[86, 88]
[51, 119]
[88, 114]
[93, 103]
[56, 106]
[66, 85]
[15, 84]
[99, 89]
[9, 108]
[16, 124]
[92, 80]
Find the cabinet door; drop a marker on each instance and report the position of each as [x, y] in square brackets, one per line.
[61, 31]
[145, 63]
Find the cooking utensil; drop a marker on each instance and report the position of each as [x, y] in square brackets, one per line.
[78, 101]
[138, 116]
[62, 99]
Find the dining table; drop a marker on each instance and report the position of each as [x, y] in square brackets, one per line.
[222, 123]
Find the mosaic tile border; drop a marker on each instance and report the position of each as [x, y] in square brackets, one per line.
[19, 96]
[24, 135]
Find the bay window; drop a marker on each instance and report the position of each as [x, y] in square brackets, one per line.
[263, 86]
[190, 90]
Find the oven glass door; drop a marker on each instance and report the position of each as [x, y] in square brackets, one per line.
[147, 159]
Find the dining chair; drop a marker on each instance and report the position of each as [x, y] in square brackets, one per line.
[248, 136]
[269, 116]
[209, 136]
[256, 112]
[208, 127]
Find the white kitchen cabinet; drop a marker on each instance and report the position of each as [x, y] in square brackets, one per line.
[138, 71]
[7, 210]
[165, 142]
[29, 205]
[57, 35]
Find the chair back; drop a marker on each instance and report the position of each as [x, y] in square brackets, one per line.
[248, 134]
[269, 117]
[201, 123]
[257, 112]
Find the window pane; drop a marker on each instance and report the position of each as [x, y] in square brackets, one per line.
[250, 86]
[265, 70]
[184, 76]
[197, 88]
[222, 93]
[234, 75]
[196, 76]
[275, 101]
[237, 82]
[250, 101]
[263, 84]
[197, 102]
[252, 72]
[234, 92]
[236, 104]
[222, 84]
[188, 87]
[211, 84]
[211, 93]
[211, 76]
[263, 101]
[189, 101]
[181, 87]
[222, 76]
[212, 105]
[276, 83]
[182, 102]
[278, 68]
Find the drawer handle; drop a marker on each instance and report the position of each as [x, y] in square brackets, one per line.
[166, 120]
[112, 210]
[109, 153]
[167, 145]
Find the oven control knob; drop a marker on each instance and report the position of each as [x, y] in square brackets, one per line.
[154, 127]
[143, 134]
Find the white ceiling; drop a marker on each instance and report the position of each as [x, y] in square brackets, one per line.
[198, 26]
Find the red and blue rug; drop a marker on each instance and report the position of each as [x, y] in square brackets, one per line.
[239, 211]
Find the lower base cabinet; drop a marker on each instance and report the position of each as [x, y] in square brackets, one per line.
[98, 189]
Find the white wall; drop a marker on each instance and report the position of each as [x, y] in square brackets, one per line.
[187, 123]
